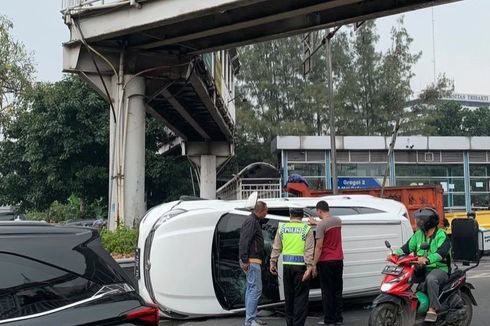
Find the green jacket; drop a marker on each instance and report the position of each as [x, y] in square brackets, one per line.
[439, 249]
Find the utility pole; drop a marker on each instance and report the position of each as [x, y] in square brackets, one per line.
[333, 147]
[308, 52]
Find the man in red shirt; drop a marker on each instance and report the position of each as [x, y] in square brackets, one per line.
[329, 260]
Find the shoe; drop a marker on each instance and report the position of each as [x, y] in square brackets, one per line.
[256, 323]
[430, 317]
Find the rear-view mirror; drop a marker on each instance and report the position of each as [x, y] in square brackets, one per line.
[464, 240]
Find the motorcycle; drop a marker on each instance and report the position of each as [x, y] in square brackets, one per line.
[400, 305]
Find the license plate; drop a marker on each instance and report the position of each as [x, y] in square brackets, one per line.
[392, 270]
[137, 263]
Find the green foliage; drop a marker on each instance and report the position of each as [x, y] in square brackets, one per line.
[56, 213]
[55, 146]
[167, 177]
[122, 241]
[70, 210]
[16, 67]
[370, 87]
[451, 119]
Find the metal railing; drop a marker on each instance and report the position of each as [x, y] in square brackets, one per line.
[71, 4]
[80, 4]
[269, 190]
[242, 189]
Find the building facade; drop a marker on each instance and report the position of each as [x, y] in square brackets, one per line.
[461, 165]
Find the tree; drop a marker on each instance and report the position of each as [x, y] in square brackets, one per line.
[167, 176]
[418, 117]
[371, 89]
[16, 67]
[280, 101]
[358, 83]
[56, 144]
[451, 119]
[445, 120]
[477, 122]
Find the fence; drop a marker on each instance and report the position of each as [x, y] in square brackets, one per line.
[243, 188]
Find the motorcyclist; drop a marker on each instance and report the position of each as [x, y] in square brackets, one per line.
[435, 259]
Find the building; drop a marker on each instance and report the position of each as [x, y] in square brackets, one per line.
[461, 165]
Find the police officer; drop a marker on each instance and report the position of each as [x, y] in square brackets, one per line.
[296, 242]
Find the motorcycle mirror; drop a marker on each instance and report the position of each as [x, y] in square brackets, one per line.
[387, 244]
[424, 246]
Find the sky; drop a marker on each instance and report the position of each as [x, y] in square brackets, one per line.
[462, 47]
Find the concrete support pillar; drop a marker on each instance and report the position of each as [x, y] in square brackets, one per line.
[113, 205]
[127, 152]
[208, 176]
[134, 174]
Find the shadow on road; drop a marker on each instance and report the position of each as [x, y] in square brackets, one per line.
[356, 313]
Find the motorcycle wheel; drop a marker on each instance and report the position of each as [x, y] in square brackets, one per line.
[468, 306]
[385, 314]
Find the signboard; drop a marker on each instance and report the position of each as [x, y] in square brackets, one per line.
[475, 98]
[357, 183]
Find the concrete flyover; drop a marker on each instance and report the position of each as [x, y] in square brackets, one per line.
[176, 60]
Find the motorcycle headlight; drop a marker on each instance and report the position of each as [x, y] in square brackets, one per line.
[386, 286]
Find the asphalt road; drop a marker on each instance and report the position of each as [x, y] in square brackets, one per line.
[357, 311]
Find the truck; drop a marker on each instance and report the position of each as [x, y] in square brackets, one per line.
[413, 197]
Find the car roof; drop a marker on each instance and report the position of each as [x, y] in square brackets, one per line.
[71, 248]
[33, 227]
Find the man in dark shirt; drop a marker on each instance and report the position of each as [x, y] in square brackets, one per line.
[251, 254]
[329, 260]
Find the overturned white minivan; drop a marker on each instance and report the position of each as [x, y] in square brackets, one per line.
[187, 256]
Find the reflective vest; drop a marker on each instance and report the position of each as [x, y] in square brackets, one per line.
[293, 236]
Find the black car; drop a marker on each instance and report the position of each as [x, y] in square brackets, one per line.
[61, 275]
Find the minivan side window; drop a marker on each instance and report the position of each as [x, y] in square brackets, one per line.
[229, 279]
[30, 287]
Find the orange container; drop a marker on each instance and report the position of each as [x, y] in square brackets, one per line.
[413, 197]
